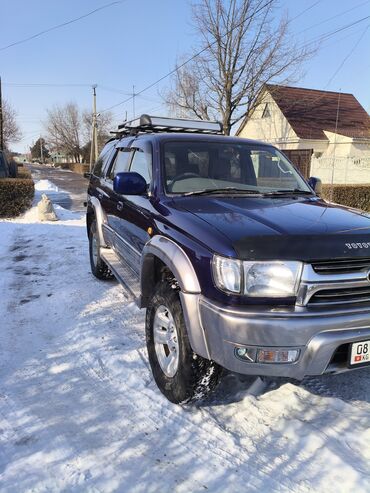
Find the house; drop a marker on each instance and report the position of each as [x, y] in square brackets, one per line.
[323, 132]
[58, 157]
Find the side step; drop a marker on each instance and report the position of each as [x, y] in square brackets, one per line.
[122, 272]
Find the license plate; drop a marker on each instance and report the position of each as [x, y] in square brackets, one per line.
[359, 353]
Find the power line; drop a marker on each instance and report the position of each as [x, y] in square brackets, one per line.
[127, 93]
[334, 16]
[305, 10]
[63, 24]
[21, 84]
[348, 55]
[188, 60]
[340, 29]
[173, 71]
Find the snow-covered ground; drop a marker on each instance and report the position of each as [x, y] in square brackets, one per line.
[79, 410]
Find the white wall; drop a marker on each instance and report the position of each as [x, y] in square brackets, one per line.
[342, 146]
[346, 169]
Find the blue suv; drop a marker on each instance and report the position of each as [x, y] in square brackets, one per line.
[237, 260]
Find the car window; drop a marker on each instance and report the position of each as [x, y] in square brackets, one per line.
[103, 159]
[142, 164]
[120, 163]
[194, 165]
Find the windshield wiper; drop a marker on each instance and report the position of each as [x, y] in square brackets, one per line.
[209, 191]
[289, 192]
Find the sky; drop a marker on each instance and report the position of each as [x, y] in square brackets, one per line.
[132, 43]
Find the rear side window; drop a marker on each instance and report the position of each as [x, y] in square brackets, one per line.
[120, 163]
[103, 159]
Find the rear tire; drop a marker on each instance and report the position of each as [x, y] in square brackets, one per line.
[98, 267]
[180, 374]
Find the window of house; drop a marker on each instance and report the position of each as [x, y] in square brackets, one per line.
[266, 111]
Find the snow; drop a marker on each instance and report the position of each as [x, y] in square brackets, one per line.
[45, 185]
[79, 410]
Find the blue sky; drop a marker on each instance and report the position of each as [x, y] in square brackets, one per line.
[138, 41]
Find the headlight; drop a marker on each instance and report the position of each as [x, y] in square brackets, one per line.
[227, 273]
[276, 279]
[271, 279]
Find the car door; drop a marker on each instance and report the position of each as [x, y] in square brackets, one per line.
[118, 162]
[97, 186]
[132, 216]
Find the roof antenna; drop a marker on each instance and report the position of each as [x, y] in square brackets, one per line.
[334, 149]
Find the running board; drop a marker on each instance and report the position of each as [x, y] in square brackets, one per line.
[122, 272]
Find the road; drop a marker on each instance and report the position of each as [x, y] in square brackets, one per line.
[73, 184]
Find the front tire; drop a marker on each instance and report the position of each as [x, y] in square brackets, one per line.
[98, 267]
[180, 374]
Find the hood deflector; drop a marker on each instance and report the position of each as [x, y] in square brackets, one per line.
[304, 247]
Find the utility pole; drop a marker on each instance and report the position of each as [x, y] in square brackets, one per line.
[133, 102]
[1, 122]
[94, 132]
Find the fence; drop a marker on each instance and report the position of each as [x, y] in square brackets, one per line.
[341, 170]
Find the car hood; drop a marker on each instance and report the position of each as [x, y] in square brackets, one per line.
[285, 228]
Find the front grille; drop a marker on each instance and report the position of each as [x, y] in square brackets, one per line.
[341, 295]
[343, 266]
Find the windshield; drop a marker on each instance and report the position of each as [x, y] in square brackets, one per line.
[210, 166]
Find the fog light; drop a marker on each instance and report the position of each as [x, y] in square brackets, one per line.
[246, 354]
[277, 355]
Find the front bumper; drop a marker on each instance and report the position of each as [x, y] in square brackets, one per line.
[316, 333]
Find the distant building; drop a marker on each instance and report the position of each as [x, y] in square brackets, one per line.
[60, 157]
[332, 128]
[21, 158]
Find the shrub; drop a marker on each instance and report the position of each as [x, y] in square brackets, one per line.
[62, 165]
[79, 168]
[23, 173]
[356, 196]
[16, 195]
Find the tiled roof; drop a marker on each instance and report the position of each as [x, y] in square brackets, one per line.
[311, 111]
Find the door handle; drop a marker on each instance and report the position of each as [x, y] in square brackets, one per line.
[119, 206]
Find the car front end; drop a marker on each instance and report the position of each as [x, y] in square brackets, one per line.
[325, 330]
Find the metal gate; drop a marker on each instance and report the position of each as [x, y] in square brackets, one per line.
[301, 158]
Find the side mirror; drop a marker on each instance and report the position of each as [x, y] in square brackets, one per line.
[129, 183]
[316, 184]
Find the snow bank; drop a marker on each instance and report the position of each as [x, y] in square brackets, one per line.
[66, 216]
[79, 410]
[45, 185]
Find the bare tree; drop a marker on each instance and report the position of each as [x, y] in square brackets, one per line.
[11, 129]
[187, 97]
[243, 46]
[104, 126]
[69, 130]
[64, 127]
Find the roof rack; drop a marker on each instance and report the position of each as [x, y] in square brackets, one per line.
[153, 124]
